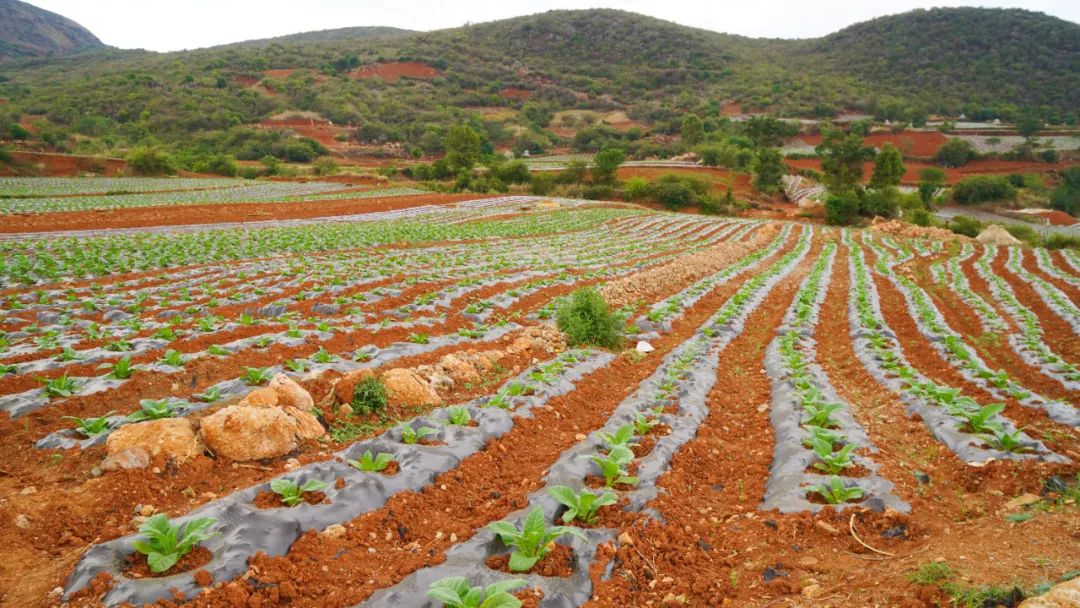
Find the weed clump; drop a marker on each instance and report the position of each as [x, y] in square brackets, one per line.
[369, 396]
[586, 320]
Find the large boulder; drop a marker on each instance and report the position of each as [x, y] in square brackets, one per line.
[261, 397]
[291, 394]
[406, 387]
[307, 425]
[460, 369]
[994, 234]
[1061, 595]
[172, 438]
[244, 432]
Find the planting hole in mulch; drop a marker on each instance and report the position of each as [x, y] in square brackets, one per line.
[559, 562]
[196, 558]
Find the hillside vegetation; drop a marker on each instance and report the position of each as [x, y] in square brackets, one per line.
[984, 62]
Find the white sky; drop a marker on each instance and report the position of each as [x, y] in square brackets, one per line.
[169, 25]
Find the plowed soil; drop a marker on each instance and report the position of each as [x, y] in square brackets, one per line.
[394, 71]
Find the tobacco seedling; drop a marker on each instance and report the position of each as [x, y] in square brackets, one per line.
[643, 424]
[455, 592]
[458, 415]
[831, 462]
[218, 351]
[835, 492]
[254, 376]
[154, 410]
[981, 420]
[121, 370]
[418, 338]
[211, 395]
[91, 427]
[1005, 440]
[60, 387]
[612, 466]
[622, 437]
[410, 435]
[372, 463]
[820, 414]
[581, 505]
[292, 494]
[533, 541]
[173, 358]
[166, 543]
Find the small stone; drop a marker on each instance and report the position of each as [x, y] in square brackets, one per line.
[291, 464]
[811, 590]
[808, 562]
[147, 510]
[1022, 501]
[644, 347]
[453, 537]
[626, 540]
[28, 490]
[56, 592]
[825, 527]
[22, 522]
[334, 532]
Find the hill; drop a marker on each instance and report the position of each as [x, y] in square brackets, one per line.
[985, 63]
[29, 31]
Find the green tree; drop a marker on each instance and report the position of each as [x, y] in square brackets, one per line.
[150, 161]
[842, 158]
[768, 168]
[692, 130]
[1066, 197]
[1028, 124]
[930, 179]
[605, 164]
[955, 153]
[463, 147]
[841, 210]
[888, 167]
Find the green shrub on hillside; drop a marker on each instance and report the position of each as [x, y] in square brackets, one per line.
[151, 161]
[983, 188]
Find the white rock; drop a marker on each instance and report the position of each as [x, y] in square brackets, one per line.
[644, 347]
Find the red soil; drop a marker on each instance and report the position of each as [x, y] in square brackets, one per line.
[1057, 218]
[512, 93]
[394, 71]
[322, 131]
[246, 81]
[45, 164]
[282, 73]
[733, 108]
[183, 215]
[919, 144]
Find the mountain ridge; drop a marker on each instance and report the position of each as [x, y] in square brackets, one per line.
[29, 31]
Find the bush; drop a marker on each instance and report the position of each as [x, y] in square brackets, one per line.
[5, 154]
[677, 191]
[1049, 156]
[18, 132]
[542, 183]
[636, 188]
[218, 164]
[369, 396]
[967, 226]
[574, 173]
[982, 188]
[884, 202]
[841, 210]
[513, 172]
[150, 161]
[325, 166]
[597, 192]
[955, 153]
[919, 217]
[1024, 233]
[585, 319]
[1056, 240]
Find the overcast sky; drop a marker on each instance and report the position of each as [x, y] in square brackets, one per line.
[169, 25]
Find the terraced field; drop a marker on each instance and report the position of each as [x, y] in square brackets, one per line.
[348, 409]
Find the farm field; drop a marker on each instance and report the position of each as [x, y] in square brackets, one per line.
[349, 405]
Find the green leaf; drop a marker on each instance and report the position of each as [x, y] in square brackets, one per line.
[519, 562]
[160, 563]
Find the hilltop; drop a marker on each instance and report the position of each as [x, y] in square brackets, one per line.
[28, 31]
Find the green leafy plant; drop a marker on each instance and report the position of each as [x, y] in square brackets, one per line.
[532, 542]
[210, 395]
[581, 505]
[369, 396]
[418, 338]
[254, 376]
[150, 409]
[622, 437]
[458, 415]
[166, 543]
[60, 387]
[370, 463]
[173, 358]
[829, 461]
[455, 592]
[585, 319]
[120, 370]
[835, 492]
[91, 427]
[613, 466]
[292, 494]
[410, 435]
[644, 424]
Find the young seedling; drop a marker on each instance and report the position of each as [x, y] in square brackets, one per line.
[218, 351]
[612, 466]
[831, 462]
[121, 370]
[644, 424]
[173, 358]
[372, 463]
[292, 494]
[458, 415]
[60, 387]
[418, 338]
[211, 395]
[533, 541]
[410, 435]
[166, 543]
[91, 427]
[154, 410]
[254, 376]
[835, 492]
[581, 505]
[820, 414]
[823, 434]
[622, 437]
[981, 420]
[455, 592]
[1007, 441]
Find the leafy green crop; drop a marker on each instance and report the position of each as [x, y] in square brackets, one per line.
[581, 505]
[458, 415]
[91, 427]
[292, 494]
[166, 543]
[254, 376]
[455, 592]
[532, 542]
[613, 466]
[835, 492]
[372, 463]
[121, 370]
[150, 409]
[60, 387]
[410, 435]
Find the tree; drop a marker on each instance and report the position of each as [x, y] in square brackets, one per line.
[1066, 197]
[842, 158]
[841, 210]
[462, 148]
[573, 173]
[955, 153]
[693, 130]
[930, 179]
[765, 131]
[769, 168]
[1028, 124]
[605, 164]
[151, 161]
[888, 167]
[983, 188]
